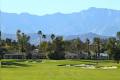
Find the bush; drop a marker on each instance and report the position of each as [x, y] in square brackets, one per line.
[56, 56]
[116, 55]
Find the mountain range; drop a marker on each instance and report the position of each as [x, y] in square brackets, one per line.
[93, 20]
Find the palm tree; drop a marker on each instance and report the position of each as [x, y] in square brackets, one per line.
[40, 34]
[44, 36]
[52, 37]
[88, 48]
[23, 42]
[18, 40]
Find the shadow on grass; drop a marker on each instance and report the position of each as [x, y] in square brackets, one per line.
[8, 64]
[94, 61]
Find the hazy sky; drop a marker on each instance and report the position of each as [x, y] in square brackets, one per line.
[42, 7]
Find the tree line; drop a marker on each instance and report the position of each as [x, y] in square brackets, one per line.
[57, 47]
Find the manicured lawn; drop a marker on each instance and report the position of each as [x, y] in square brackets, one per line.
[49, 70]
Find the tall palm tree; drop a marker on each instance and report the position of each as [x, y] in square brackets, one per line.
[44, 36]
[18, 40]
[88, 48]
[40, 34]
[52, 37]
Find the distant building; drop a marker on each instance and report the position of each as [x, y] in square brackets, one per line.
[69, 55]
[104, 56]
[37, 55]
[14, 55]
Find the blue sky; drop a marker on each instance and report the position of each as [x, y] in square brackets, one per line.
[42, 7]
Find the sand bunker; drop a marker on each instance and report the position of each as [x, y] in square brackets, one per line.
[89, 66]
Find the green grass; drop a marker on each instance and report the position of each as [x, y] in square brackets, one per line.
[49, 70]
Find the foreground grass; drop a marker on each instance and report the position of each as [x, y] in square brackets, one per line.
[49, 70]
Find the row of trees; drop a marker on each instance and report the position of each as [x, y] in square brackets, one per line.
[57, 47]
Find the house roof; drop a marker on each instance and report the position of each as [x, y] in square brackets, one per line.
[15, 53]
